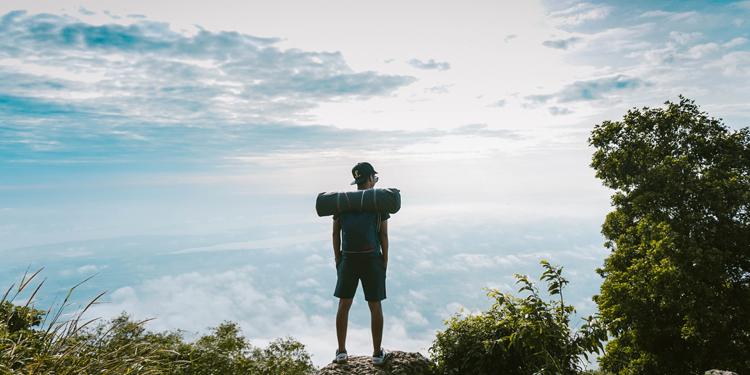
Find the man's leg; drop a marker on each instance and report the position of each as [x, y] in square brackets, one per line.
[342, 319]
[376, 325]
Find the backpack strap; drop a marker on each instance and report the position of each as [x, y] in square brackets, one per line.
[348, 202]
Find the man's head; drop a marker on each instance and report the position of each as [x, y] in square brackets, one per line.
[364, 175]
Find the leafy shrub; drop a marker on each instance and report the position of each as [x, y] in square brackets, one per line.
[519, 335]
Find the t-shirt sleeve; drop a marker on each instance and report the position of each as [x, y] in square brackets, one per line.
[385, 216]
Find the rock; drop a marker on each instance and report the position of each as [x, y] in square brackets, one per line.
[398, 363]
[719, 372]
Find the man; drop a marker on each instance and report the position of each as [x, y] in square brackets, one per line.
[360, 248]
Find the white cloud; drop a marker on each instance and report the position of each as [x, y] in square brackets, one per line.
[733, 64]
[266, 243]
[141, 84]
[655, 13]
[195, 301]
[453, 308]
[307, 283]
[684, 38]
[701, 50]
[430, 64]
[85, 270]
[559, 111]
[475, 260]
[417, 295]
[561, 43]
[735, 42]
[580, 13]
[673, 16]
[414, 318]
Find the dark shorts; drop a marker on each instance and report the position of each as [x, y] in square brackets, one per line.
[369, 268]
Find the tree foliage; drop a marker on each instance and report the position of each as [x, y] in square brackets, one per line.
[519, 335]
[676, 289]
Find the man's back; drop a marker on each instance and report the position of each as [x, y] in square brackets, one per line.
[360, 232]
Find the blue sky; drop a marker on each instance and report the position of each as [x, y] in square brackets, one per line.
[176, 147]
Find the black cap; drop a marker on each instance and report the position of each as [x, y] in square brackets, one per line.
[361, 172]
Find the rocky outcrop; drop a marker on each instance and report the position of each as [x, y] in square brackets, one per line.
[398, 363]
[719, 372]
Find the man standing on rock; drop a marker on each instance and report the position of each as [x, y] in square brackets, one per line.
[360, 247]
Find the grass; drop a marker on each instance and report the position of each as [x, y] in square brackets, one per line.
[55, 341]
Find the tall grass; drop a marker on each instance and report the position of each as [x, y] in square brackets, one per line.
[60, 340]
[55, 341]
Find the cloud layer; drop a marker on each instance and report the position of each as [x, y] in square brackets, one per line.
[69, 88]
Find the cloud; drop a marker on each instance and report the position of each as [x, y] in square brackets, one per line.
[85, 11]
[733, 64]
[84, 270]
[509, 37]
[217, 65]
[74, 92]
[561, 43]
[735, 42]
[266, 243]
[655, 13]
[105, 92]
[673, 16]
[195, 301]
[701, 50]
[439, 89]
[482, 130]
[558, 111]
[580, 13]
[488, 261]
[589, 89]
[684, 38]
[499, 103]
[429, 65]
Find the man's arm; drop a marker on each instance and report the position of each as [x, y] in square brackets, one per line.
[384, 241]
[336, 240]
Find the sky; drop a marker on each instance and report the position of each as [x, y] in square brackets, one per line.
[175, 148]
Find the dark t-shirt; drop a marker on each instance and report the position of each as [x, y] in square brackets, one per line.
[360, 231]
[383, 216]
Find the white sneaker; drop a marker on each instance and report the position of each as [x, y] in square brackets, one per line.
[379, 360]
[341, 357]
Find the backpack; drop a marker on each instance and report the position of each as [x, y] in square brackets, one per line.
[360, 231]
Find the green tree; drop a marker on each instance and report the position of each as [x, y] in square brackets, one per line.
[518, 335]
[676, 289]
[226, 351]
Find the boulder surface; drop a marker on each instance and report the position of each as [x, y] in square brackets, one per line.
[398, 363]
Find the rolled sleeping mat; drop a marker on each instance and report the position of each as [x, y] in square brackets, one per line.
[374, 200]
